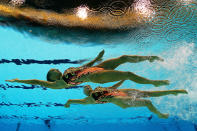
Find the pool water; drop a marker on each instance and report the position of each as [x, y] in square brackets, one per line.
[28, 52]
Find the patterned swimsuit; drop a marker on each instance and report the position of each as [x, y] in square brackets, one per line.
[100, 94]
[73, 75]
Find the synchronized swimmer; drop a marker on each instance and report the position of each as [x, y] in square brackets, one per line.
[123, 98]
[102, 73]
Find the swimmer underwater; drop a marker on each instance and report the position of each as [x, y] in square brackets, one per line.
[123, 98]
[101, 73]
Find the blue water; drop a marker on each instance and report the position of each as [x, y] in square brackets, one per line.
[29, 108]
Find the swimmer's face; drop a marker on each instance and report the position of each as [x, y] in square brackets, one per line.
[53, 75]
[87, 90]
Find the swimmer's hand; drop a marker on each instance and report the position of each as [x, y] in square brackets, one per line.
[13, 80]
[153, 58]
[67, 105]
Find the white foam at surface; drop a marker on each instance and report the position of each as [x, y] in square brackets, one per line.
[193, 91]
[181, 64]
[179, 57]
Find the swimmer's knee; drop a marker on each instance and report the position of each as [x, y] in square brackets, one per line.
[130, 74]
[147, 102]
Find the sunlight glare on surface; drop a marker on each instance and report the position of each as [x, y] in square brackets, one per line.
[82, 12]
[144, 7]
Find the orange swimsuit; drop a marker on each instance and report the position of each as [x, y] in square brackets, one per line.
[71, 78]
[89, 70]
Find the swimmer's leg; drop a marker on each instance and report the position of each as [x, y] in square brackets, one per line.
[126, 102]
[139, 93]
[98, 58]
[153, 109]
[131, 92]
[113, 75]
[115, 86]
[163, 93]
[113, 63]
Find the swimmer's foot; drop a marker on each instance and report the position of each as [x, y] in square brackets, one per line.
[158, 83]
[153, 58]
[13, 80]
[180, 92]
[100, 55]
[164, 116]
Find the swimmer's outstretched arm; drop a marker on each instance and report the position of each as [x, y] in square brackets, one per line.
[78, 101]
[47, 84]
[98, 58]
[116, 85]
